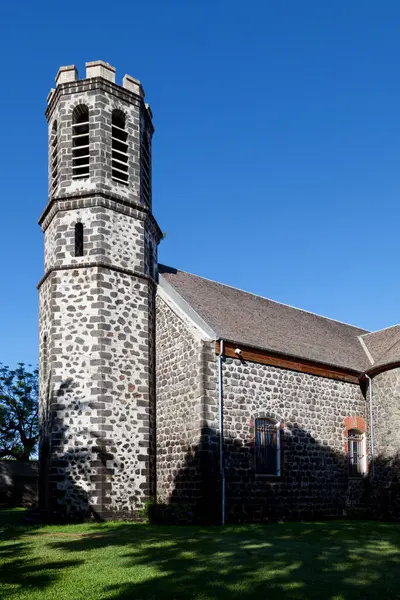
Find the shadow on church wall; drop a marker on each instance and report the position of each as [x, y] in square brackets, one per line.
[66, 464]
[384, 488]
[314, 481]
[314, 484]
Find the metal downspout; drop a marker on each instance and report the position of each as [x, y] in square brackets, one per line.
[371, 423]
[221, 430]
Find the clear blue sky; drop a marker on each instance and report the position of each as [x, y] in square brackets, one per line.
[276, 153]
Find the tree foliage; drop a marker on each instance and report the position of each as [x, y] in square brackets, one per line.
[18, 412]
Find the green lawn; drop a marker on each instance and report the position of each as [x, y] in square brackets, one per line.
[329, 560]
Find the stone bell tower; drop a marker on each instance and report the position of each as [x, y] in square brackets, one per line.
[97, 297]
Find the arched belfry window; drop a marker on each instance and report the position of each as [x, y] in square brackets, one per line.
[54, 157]
[80, 142]
[145, 170]
[267, 446]
[119, 146]
[79, 239]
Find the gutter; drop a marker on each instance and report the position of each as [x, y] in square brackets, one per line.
[221, 429]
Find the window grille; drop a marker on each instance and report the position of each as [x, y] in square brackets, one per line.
[145, 170]
[54, 157]
[80, 142]
[79, 239]
[119, 147]
[267, 447]
[356, 451]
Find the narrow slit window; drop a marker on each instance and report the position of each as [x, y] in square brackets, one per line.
[145, 170]
[119, 147]
[80, 142]
[79, 239]
[54, 157]
[45, 358]
[267, 447]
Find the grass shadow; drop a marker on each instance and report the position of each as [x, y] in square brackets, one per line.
[295, 560]
[19, 569]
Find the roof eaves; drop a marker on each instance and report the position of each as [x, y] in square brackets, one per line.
[358, 372]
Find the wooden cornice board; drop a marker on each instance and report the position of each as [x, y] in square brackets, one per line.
[284, 362]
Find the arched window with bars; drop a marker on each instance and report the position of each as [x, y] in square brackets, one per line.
[145, 170]
[80, 142]
[54, 157]
[356, 452]
[119, 146]
[267, 446]
[79, 239]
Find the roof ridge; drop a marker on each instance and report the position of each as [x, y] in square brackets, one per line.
[366, 350]
[379, 330]
[270, 300]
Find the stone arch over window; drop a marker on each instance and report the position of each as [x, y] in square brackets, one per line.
[119, 146]
[267, 438]
[54, 156]
[79, 239]
[355, 445]
[80, 142]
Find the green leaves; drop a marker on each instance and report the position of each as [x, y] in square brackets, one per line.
[18, 412]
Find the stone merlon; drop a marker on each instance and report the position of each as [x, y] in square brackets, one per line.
[97, 68]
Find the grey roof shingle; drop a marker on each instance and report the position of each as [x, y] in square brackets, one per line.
[251, 320]
[383, 345]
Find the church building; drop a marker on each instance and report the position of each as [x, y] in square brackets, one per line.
[157, 385]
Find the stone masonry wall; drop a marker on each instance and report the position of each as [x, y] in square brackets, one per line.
[121, 306]
[314, 479]
[108, 237]
[179, 402]
[385, 480]
[186, 413]
[100, 400]
[97, 314]
[45, 318]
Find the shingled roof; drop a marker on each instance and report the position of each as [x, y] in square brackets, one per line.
[383, 346]
[251, 320]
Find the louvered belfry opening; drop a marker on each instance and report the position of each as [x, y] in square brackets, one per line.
[119, 147]
[145, 171]
[80, 142]
[54, 157]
